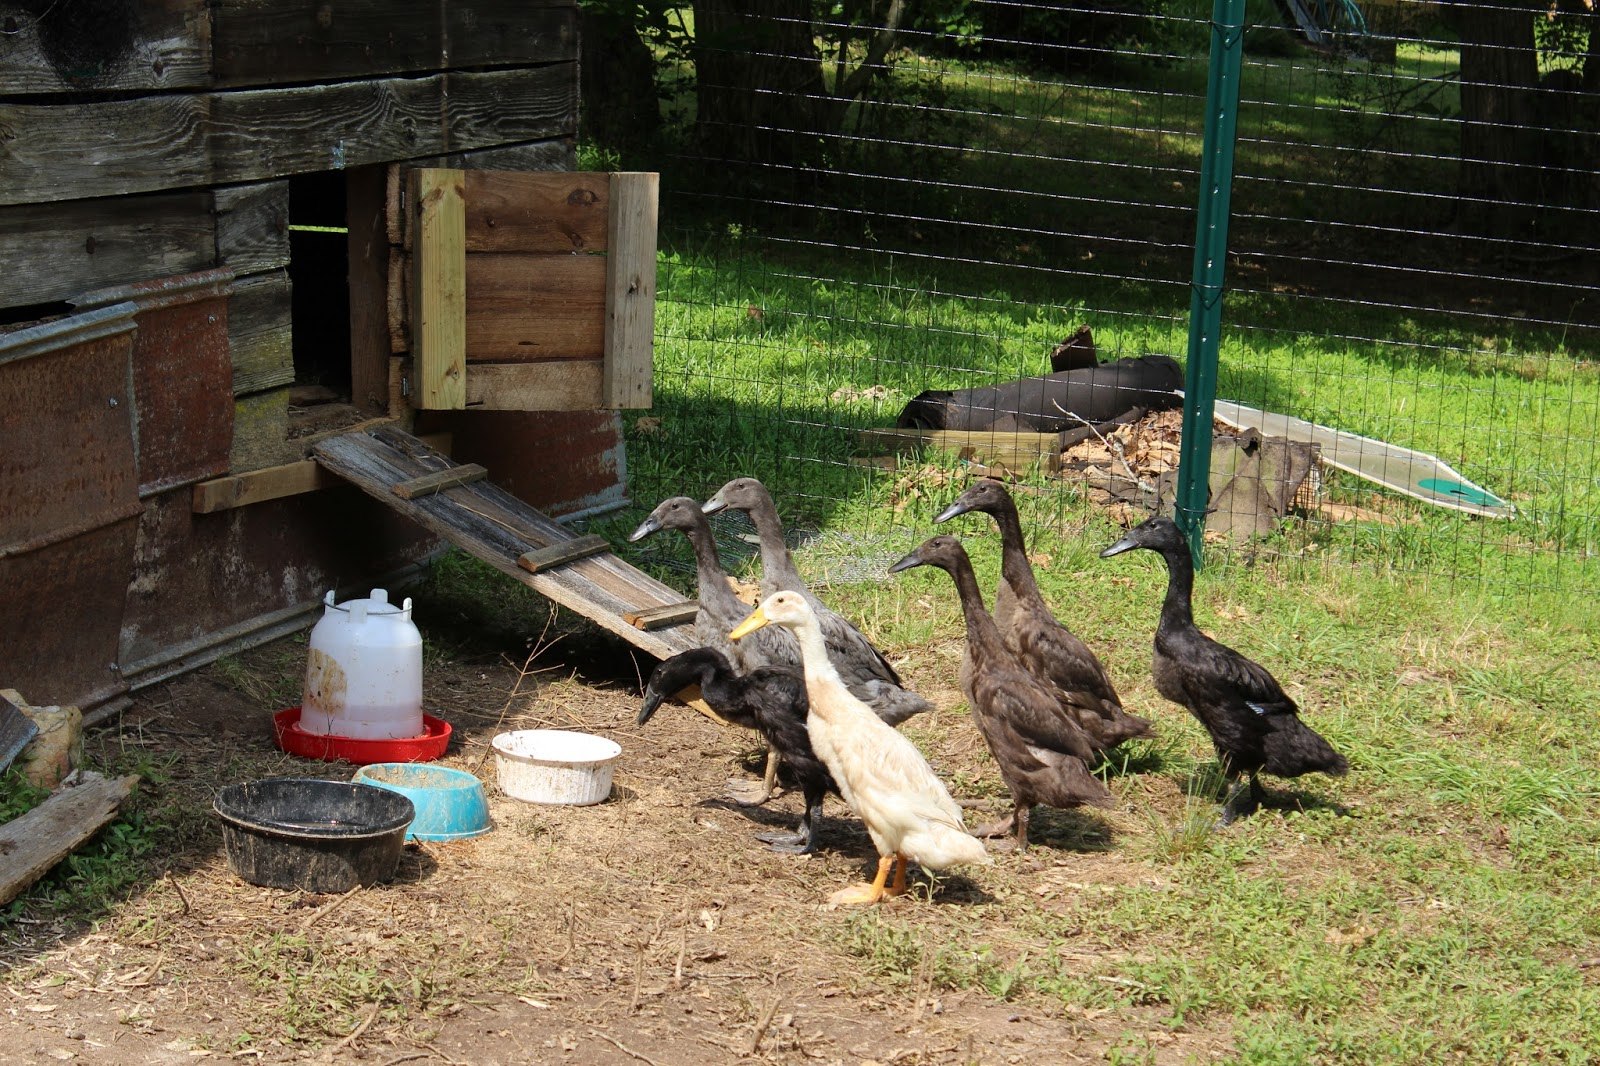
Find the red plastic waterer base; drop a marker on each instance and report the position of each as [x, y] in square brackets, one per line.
[359, 750]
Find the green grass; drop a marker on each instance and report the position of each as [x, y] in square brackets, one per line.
[1434, 906]
[776, 392]
[979, 213]
[88, 883]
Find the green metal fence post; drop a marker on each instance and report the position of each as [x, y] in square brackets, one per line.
[1210, 262]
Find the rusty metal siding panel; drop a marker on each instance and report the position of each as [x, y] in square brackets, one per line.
[561, 462]
[66, 433]
[199, 575]
[182, 375]
[70, 497]
[62, 617]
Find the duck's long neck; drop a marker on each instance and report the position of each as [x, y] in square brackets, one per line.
[819, 671]
[1015, 569]
[980, 624]
[712, 678]
[1176, 609]
[777, 565]
[709, 574]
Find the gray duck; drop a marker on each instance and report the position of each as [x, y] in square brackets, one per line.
[1254, 725]
[1048, 649]
[720, 611]
[769, 699]
[1042, 753]
[866, 673]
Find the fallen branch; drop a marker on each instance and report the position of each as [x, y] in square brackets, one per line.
[325, 910]
[355, 1034]
[624, 1048]
[761, 1026]
[1114, 449]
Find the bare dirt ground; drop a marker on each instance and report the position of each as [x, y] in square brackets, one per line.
[649, 929]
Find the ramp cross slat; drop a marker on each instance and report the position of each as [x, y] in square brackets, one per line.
[486, 521]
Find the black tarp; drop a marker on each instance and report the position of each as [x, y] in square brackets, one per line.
[1039, 405]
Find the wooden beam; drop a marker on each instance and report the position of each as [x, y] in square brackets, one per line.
[439, 293]
[259, 43]
[56, 251]
[261, 432]
[261, 332]
[673, 614]
[438, 481]
[564, 385]
[128, 48]
[1016, 451]
[34, 842]
[551, 213]
[630, 291]
[562, 553]
[253, 227]
[275, 482]
[368, 260]
[56, 151]
[523, 308]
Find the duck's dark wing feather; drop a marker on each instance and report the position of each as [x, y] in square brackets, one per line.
[1218, 674]
[1055, 655]
[1029, 710]
[773, 700]
[1041, 751]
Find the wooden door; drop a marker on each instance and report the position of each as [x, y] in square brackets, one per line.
[530, 291]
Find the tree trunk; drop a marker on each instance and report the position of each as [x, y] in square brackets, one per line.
[1591, 58]
[1499, 83]
[758, 79]
[620, 107]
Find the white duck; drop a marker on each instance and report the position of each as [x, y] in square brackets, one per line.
[890, 786]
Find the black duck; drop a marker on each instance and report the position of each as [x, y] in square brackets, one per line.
[862, 666]
[772, 701]
[1253, 723]
[1049, 650]
[1042, 753]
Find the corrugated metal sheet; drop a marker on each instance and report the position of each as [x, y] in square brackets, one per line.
[182, 375]
[62, 622]
[66, 429]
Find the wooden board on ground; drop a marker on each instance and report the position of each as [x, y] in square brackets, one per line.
[31, 844]
[485, 520]
[1015, 451]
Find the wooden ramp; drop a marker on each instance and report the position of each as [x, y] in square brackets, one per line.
[454, 501]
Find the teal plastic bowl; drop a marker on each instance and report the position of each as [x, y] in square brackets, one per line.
[450, 803]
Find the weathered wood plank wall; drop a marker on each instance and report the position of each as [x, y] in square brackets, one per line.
[156, 139]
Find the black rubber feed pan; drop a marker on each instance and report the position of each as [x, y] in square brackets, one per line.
[311, 834]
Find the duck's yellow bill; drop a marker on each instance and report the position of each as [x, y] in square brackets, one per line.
[757, 619]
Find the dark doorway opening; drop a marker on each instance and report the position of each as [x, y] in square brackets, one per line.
[319, 273]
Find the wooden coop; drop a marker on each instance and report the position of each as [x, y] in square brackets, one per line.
[293, 291]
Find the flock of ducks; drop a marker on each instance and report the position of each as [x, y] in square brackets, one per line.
[826, 701]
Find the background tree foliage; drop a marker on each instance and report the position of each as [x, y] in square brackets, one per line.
[773, 91]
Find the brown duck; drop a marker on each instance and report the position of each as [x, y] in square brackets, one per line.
[1042, 753]
[862, 666]
[1048, 649]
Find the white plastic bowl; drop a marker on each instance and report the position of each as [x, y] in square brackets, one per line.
[555, 766]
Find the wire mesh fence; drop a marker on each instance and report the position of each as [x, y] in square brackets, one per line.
[863, 207]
